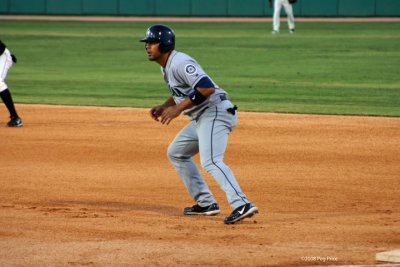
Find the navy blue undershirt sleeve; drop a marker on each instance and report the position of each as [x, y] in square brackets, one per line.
[204, 82]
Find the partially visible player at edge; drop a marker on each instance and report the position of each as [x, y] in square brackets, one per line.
[212, 119]
[6, 62]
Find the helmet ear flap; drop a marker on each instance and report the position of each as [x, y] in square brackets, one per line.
[165, 48]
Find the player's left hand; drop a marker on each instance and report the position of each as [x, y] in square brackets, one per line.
[156, 112]
[169, 114]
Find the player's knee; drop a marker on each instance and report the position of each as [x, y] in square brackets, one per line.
[171, 153]
[174, 155]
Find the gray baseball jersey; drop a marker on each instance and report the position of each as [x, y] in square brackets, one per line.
[181, 74]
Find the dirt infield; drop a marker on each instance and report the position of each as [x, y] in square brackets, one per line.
[90, 186]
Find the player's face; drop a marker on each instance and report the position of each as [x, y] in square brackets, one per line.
[153, 52]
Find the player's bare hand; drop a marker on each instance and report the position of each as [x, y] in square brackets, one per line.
[156, 112]
[169, 114]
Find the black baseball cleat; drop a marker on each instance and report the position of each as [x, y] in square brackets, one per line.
[15, 122]
[245, 211]
[213, 209]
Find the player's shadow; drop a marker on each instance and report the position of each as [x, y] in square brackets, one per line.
[114, 205]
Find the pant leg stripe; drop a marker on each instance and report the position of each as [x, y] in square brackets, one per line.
[212, 156]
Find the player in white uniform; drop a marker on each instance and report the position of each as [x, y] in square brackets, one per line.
[6, 62]
[212, 119]
[277, 14]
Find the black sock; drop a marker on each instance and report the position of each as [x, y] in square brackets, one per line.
[7, 99]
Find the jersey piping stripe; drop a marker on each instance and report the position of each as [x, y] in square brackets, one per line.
[212, 156]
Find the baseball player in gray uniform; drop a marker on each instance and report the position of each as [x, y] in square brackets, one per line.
[6, 62]
[212, 118]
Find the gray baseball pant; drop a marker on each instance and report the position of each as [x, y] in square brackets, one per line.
[209, 136]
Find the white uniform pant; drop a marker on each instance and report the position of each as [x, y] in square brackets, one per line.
[5, 64]
[277, 14]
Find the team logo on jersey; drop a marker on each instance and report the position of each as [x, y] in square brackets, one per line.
[190, 69]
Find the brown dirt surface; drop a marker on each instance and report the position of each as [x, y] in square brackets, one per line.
[92, 186]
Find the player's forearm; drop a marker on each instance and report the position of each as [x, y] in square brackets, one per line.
[206, 92]
[185, 104]
[169, 102]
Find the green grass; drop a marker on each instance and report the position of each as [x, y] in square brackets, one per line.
[324, 68]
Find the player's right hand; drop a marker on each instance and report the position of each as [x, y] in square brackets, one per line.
[169, 114]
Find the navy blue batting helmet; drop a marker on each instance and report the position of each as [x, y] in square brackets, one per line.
[161, 34]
